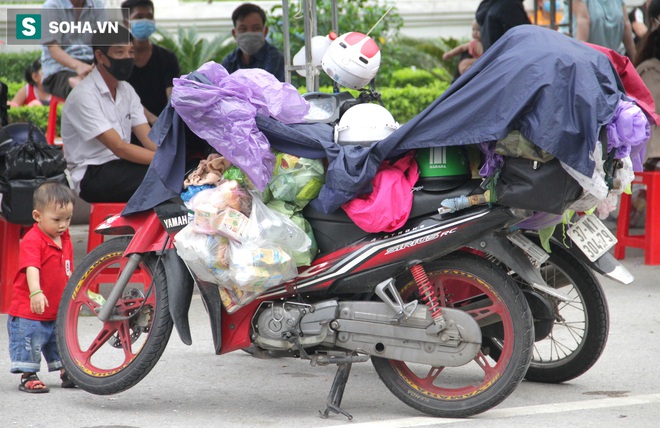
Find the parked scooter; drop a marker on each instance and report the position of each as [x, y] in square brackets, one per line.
[446, 328]
[363, 299]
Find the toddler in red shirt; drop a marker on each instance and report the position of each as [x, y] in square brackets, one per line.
[45, 265]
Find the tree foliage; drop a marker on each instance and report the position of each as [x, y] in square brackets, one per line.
[13, 65]
[191, 50]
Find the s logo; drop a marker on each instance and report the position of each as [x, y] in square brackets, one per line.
[28, 27]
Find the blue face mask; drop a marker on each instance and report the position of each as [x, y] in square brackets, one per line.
[142, 28]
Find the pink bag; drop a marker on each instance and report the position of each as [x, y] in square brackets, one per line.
[388, 206]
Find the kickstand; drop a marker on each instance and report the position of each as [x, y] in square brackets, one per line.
[337, 392]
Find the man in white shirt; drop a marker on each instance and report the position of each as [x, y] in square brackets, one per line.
[97, 120]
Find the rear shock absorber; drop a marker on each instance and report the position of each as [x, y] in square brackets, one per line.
[427, 293]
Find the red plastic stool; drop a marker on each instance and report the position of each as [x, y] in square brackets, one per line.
[99, 212]
[51, 130]
[650, 240]
[10, 236]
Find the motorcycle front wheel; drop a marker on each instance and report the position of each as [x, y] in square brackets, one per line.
[483, 290]
[110, 357]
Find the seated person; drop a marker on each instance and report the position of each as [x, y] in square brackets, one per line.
[469, 52]
[97, 121]
[253, 50]
[67, 58]
[473, 47]
[33, 93]
[155, 66]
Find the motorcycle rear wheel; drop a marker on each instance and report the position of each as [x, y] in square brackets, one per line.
[581, 327]
[485, 291]
[110, 357]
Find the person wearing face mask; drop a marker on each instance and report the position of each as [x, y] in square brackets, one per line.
[253, 50]
[155, 66]
[97, 121]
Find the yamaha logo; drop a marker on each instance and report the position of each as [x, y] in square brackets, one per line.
[175, 222]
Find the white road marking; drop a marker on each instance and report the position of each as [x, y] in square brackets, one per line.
[599, 403]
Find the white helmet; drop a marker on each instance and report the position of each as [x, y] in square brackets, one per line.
[320, 45]
[364, 124]
[352, 60]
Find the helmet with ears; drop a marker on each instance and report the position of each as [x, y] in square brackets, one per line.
[364, 124]
[352, 60]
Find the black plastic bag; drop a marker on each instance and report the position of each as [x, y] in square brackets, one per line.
[26, 165]
[34, 160]
[537, 186]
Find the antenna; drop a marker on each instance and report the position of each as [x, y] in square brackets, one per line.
[381, 18]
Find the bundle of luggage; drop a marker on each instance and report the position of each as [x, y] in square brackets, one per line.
[245, 240]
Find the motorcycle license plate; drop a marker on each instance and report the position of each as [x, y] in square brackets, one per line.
[591, 236]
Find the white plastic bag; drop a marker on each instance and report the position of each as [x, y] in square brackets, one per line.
[268, 226]
[207, 256]
[258, 266]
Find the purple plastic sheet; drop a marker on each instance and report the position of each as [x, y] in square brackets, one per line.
[492, 161]
[224, 113]
[628, 132]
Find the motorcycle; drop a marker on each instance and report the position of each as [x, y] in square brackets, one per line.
[360, 300]
[441, 306]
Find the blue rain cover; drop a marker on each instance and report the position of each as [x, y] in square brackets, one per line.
[556, 91]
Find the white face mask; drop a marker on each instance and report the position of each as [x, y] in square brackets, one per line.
[250, 42]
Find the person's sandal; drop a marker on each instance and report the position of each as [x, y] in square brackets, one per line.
[66, 381]
[30, 383]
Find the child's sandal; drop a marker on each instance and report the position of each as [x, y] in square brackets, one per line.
[32, 384]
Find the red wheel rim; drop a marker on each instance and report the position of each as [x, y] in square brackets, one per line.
[103, 348]
[461, 289]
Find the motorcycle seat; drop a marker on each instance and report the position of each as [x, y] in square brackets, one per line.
[336, 229]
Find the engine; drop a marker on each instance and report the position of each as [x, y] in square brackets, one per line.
[279, 325]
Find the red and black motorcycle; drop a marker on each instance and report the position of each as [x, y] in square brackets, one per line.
[412, 301]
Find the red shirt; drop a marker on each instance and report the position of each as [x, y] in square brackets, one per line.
[55, 267]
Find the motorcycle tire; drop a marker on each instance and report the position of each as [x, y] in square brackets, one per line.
[484, 290]
[581, 328]
[110, 357]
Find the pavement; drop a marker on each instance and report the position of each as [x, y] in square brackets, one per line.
[192, 387]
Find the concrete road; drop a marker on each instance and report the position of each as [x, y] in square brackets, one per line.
[192, 387]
